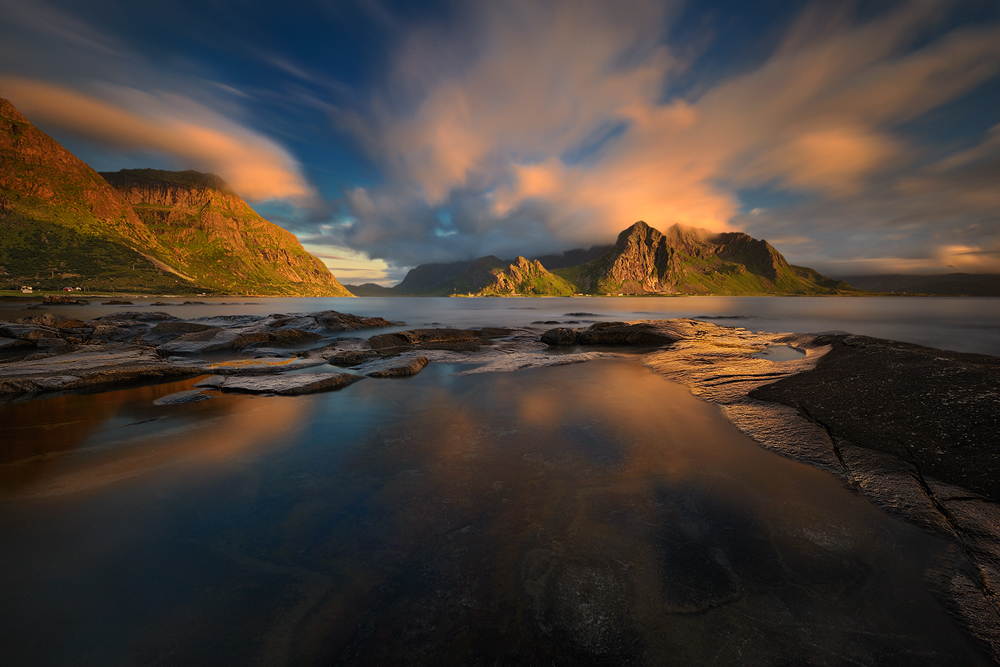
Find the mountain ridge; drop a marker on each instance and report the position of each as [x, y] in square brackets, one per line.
[643, 260]
[62, 223]
[207, 224]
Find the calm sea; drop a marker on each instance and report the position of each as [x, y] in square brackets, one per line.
[592, 514]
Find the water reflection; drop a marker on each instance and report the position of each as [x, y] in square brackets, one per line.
[587, 514]
[120, 434]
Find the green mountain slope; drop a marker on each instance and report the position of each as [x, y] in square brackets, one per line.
[62, 225]
[216, 238]
[526, 277]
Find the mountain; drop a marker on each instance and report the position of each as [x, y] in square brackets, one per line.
[370, 289]
[62, 224]
[428, 277]
[573, 257]
[686, 260]
[682, 260]
[950, 284]
[217, 239]
[526, 277]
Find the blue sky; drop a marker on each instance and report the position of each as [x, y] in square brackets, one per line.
[856, 137]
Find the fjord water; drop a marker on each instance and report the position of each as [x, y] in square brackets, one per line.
[593, 514]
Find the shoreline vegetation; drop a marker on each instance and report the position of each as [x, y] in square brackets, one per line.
[906, 426]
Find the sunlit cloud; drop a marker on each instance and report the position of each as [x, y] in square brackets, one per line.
[256, 167]
[505, 138]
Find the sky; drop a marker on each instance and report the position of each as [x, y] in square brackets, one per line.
[856, 137]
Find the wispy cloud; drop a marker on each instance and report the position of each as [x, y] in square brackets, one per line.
[500, 127]
[254, 166]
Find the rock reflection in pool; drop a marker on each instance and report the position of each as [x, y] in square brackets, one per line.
[586, 514]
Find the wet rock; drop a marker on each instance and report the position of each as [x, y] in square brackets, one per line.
[584, 607]
[213, 340]
[938, 410]
[559, 336]
[130, 316]
[394, 367]
[637, 334]
[165, 332]
[621, 333]
[259, 366]
[332, 321]
[349, 358]
[286, 385]
[31, 332]
[116, 302]
[292, 337]
[58, 299]
[182, 397]
[7, 344]
[87, 366]
[52, 320]
[466, 340]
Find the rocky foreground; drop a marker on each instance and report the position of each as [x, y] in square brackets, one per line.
[912, 428]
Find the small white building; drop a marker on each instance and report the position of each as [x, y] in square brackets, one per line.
[25, 289]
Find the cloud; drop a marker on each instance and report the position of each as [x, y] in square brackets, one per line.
[254, 166]
[504, 121]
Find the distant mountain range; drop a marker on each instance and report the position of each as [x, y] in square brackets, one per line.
[683, 260]
[142, 230]
[949, 284]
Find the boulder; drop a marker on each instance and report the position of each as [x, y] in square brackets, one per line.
[559, 336]
[348, 358]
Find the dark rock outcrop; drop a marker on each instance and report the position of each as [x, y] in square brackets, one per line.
[936, 410]
[640, 334]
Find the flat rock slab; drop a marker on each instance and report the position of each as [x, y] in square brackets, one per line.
[261, 366]
[282, 385]
[86, 366]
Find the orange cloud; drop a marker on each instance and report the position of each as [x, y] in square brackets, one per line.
[818, 116]
[253, 165]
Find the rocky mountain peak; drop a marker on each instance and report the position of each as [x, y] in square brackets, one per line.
[35, 168]
[9, 112]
